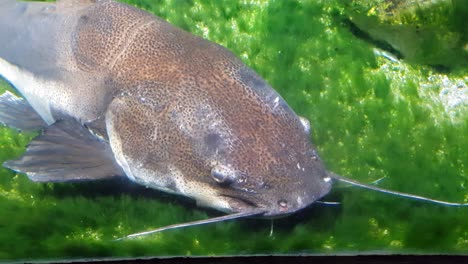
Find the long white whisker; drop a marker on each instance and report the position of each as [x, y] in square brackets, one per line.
[378, 180]
[417, 197]
[195, 223]
[271, 226]
[328, 203]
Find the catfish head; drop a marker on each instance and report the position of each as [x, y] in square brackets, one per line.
[232, 144]
[256, 152]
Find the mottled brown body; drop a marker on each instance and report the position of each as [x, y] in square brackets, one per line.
[183, 114]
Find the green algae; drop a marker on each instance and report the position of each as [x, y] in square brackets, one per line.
[371, 117]
[423, 32]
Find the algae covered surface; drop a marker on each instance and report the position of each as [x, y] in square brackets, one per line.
[377, 109]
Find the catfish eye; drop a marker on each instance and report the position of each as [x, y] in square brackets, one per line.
[223, 174]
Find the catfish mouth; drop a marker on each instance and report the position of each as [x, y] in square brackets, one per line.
[242, 205]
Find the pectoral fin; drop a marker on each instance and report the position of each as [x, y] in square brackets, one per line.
[17, 113]
[67, 151]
